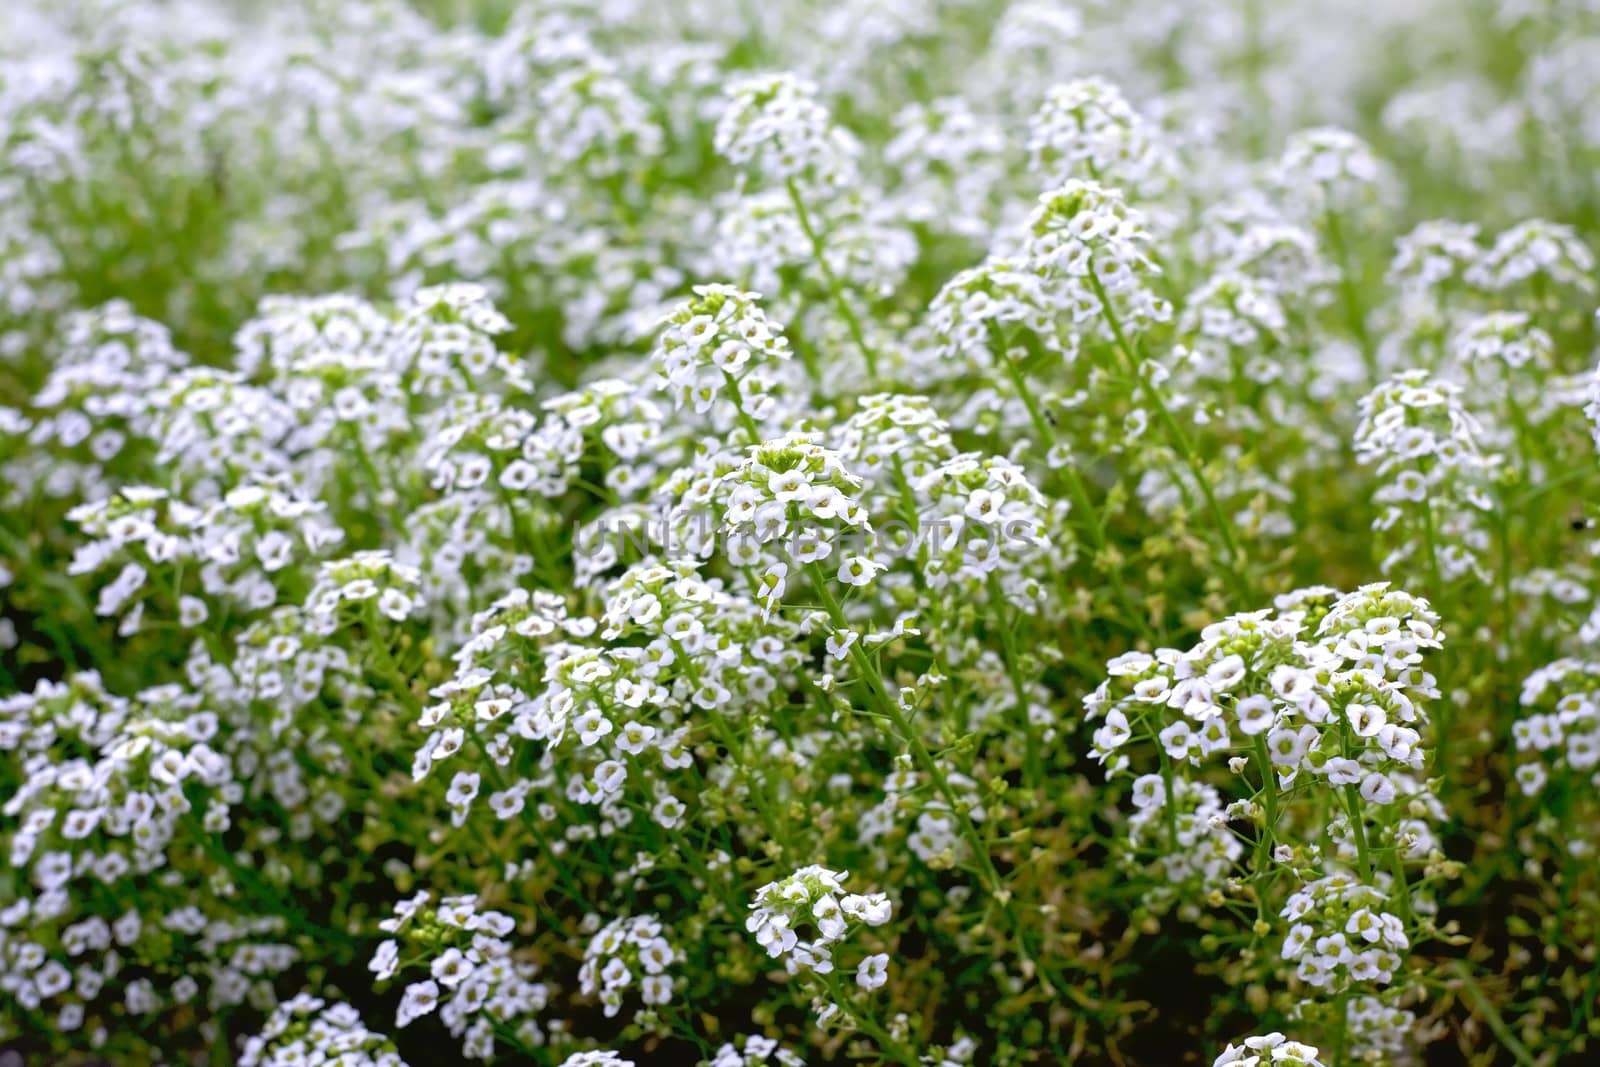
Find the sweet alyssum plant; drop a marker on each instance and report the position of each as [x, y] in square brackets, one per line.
[975, 532]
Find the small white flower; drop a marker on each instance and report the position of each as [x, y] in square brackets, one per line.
[1256, 714]
[873, 972]
[858, 570]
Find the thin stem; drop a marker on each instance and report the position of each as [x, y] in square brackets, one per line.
[491, 770]
[1341, 1029]
[1033, 767]
[1474, 995]
[1169, 809]
[1507, 601]
[1347, 293]
[1179, 439]
[835, 289]
[889, 708]
[777, 827]
[1001, 347]
[1397, 870]
[1436, 577]
[1431, 542]
[866, 1024]
[1358, 830]
[1094, 521]
[745, 420]
[1269, 788]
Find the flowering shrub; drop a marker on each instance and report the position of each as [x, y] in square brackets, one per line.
[953, 533]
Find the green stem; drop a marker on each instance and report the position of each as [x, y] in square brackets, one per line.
[1179, 440]
[1397, 870]
[1169, 784]
[563, 883]
[889, 708]
[1094, 521]
[1341, 1030]
[1474, 995]
[1431, 542]
[1436, 578]
[835, 289]
[1347, 293]
[1033, 765]
[745, 420]
[866, 1024]
[1001, 347]
[777, 827]
[1269, 790]
[1358, 830]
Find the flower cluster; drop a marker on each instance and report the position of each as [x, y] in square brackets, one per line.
[812, 898]
[986, 521]
[475, 983]
[1268, 1050]
[1206, 851]
[774, 125]
[1086, 129]
[1000, 296]
[1341, 934]
[307, 1029]
[795, 490]
[1325, 684]
[1425, 445]
[1324, 696]
[235, 549]
[1502, 344]
[1543, 256]
[1559, 735]
[628, 951]
[1091, 250]
[717, 350]
[1329, 170]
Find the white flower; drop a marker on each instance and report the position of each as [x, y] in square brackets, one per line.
[858, 570]
[385, 961]
[1256, 714]
[873, 972]
[463, 788]
[1365, 719]
[1377, 789]
[420, 999]
[451, 968]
